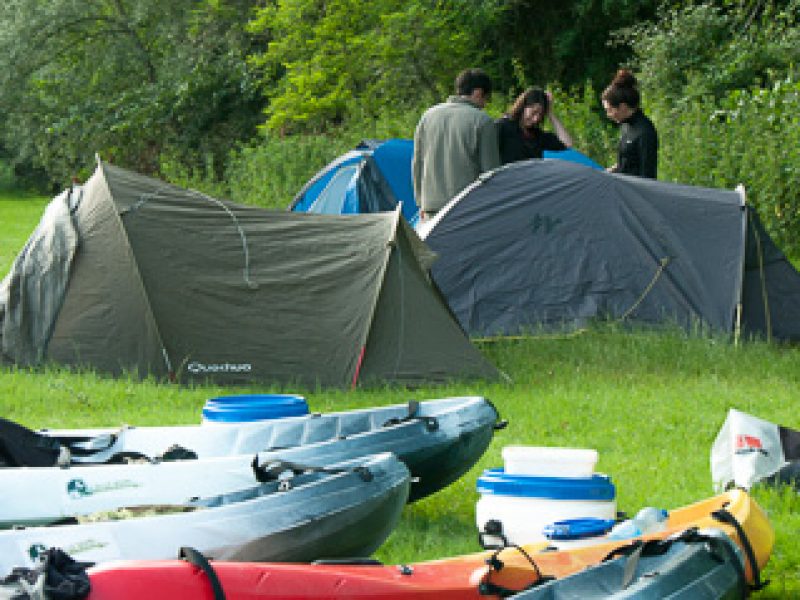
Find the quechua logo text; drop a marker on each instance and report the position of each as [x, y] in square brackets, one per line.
[199, 368]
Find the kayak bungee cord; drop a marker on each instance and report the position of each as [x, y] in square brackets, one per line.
[487, 588]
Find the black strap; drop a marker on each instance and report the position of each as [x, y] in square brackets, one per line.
[623, 550]
[728, 547]
[489, 588]
[635, 550]
[129, 456]
[273, 470]
[193, 557]
[177, 452]
[724, 516]
[431, 423]
[657, 547]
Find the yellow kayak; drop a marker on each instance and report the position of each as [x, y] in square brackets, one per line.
[480, 575]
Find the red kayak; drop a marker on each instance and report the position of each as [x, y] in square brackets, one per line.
[468, 576]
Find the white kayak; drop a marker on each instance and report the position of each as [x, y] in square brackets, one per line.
[438, 440]
[299, 515]
[216, 439]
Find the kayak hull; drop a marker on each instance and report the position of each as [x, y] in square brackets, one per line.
[438, 446]
[347, 510]
[457, 577]
[705, 565]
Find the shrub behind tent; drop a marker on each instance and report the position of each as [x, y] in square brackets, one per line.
[168, 282]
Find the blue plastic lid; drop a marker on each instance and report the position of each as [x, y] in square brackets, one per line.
[254, 407]
[576, 529]
[596, 487]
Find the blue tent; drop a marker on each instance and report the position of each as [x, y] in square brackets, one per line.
[572, 155]
[374, 177]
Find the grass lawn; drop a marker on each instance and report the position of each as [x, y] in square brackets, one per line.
[650, 402]
[18, 216]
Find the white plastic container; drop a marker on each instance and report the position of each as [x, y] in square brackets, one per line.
[549, 461]
[524, 504]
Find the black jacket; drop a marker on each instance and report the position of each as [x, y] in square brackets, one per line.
[637, 153]
[516, 145]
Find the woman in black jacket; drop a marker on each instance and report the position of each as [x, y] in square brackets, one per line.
[520, 134]
[637, 153]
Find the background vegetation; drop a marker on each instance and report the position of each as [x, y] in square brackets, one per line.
[222, 94]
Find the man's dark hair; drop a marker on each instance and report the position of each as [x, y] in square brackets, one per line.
[473, 79]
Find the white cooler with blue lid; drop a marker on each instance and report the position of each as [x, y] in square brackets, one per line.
[524, 505]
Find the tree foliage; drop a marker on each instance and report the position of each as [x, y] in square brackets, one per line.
[327, 60]
[179, 87]
[703, 50]
[545, 41]
[721, 85]
[130, 79]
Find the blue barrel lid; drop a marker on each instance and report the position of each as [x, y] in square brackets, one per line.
[254, 407]
[497, 481]
[576, 529]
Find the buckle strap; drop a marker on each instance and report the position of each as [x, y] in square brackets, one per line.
[724, 516]
[431, 423]
[282, 470]
[195, 558]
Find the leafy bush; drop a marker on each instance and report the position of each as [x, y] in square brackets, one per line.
[326, 62]
[749, 137]
[129, 80]
[592, 133]
[705, 50]
[721, 88]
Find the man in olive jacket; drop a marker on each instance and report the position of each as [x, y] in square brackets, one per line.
[454, 143]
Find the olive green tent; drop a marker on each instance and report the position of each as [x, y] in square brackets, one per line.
[130, 274]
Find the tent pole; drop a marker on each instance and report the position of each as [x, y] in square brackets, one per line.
[737, 330]
[737, 326]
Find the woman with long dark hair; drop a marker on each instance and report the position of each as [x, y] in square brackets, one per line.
[520, 134]
[637, 153]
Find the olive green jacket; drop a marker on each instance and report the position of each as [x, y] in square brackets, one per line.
[454, 143]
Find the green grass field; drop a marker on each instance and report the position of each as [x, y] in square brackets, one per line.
[650, 402]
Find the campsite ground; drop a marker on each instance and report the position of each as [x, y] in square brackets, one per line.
[650, 402]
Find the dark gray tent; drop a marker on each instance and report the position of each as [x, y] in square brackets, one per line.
[128, 273]
[545, 245]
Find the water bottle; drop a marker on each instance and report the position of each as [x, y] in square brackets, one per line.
[648, 520]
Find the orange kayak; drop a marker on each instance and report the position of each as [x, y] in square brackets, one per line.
[481, 575]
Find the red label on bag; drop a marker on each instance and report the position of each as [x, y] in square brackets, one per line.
[748, 443]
